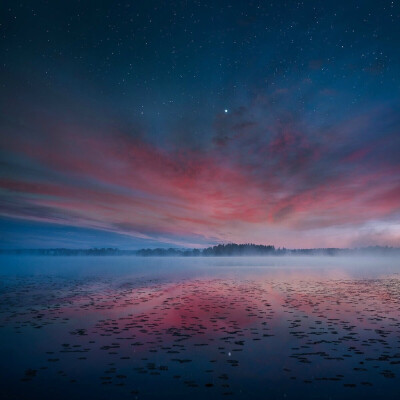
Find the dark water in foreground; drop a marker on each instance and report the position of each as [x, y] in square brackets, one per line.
[149, 328]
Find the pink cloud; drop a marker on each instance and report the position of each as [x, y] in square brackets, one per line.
[118, 183]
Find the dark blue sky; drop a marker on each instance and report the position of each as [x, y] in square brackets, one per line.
[192, 123]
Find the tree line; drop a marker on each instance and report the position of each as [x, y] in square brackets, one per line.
[230, 249]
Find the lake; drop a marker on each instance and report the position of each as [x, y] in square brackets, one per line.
[206, 327]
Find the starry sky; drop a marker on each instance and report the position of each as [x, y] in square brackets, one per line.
[191, 123]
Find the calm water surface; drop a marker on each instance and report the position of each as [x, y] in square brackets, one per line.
[149, 328]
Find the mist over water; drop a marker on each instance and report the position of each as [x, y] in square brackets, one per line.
[196, 327]
[131, 266]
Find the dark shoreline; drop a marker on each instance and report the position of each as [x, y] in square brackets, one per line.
[229, 250]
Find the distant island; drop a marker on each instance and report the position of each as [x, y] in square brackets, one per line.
[221, 250]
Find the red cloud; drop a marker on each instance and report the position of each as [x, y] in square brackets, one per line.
[273, 177]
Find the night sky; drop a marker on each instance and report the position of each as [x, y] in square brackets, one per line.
[192, 123]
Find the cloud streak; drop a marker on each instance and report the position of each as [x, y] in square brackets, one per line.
[265, 175]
